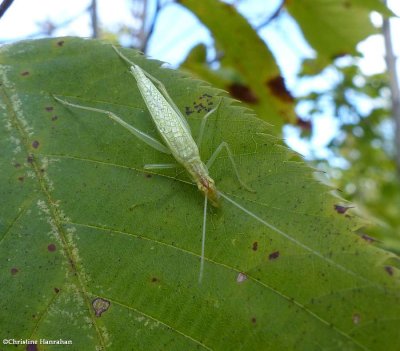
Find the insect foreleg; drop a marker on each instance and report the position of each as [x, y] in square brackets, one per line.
[230, 155]
[138, 133]
[203, 124]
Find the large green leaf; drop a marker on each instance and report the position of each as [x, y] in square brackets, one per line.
[95, 250]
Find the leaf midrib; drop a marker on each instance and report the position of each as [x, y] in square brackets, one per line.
[14, 119]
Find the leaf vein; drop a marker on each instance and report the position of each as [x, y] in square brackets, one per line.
[254, 279]
[159, 321]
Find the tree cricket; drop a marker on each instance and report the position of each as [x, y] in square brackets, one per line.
[178, 140]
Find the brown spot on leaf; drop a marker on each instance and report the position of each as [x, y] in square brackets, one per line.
[51, 247]
[368, 238]
[278, 88]
[356, 318]
[100, 306]
[71, 262]
[25, 73]
[338, 55]
[253, 320]
[17, 165]
[49, 108]
[389, 270]
[243, 93]
[155, 280]
[35, 144]
[241, 277]
[203, 103]
[21, 178]
[60, 42]
[341, 209]
[148, 175]
[274, 255]
[255, 246]
[304, 124]
[188, 110]
[30, 158]
[14, 271]
[54, 118]
[347, 4]
[56, 290]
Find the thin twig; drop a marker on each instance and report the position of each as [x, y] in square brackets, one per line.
[93, 17]
[152, 26]
[394, 85]
[272, 17]
[4, 6]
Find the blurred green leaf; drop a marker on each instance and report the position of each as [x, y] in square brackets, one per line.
[256, 79]
[334, 28]
[95, 250]
[365, 147]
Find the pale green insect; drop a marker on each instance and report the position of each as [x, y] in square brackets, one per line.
[175, 132]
